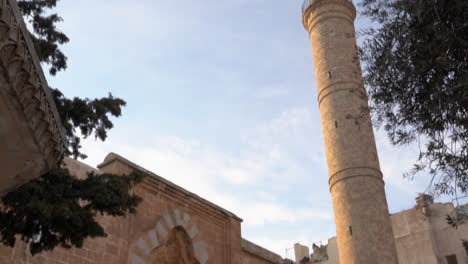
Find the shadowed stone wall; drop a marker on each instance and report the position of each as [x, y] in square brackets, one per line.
[31, 134]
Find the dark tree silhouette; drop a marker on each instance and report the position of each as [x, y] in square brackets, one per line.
[415, 58]
[59, 209]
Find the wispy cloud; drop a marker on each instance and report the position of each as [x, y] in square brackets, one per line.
[214, 175]
[221, 101]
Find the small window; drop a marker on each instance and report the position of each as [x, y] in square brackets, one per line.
[452, 259]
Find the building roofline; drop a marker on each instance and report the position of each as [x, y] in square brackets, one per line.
[112, 157]
[260, 252]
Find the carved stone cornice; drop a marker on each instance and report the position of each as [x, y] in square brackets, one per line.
[28, 104]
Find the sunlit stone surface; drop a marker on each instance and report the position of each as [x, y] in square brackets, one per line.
[363, 227]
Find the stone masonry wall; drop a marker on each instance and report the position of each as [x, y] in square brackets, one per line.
[215, 234]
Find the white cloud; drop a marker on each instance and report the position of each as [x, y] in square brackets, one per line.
[208, 172]
[203, 172]
[147, 46]
[395, 161]
[213, 174]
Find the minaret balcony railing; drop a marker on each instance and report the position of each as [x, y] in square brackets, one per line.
[308, 3]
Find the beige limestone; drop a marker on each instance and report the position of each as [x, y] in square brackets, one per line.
[178, 249]
[332, 251]
[364, 230]
[301, 252]
[255, 254]
[31, 136]
[171, 226]
[427, 238]
[78, 169]
[422, 236]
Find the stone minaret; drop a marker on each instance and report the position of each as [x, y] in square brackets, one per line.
[363, 226]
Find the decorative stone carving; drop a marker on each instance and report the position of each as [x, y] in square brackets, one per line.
[31, 135]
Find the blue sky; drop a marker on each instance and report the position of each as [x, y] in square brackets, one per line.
[221, 100]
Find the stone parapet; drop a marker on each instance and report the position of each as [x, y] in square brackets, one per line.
[261, 252]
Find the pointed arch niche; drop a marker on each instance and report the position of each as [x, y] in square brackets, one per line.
[178, 249]
[173, 239]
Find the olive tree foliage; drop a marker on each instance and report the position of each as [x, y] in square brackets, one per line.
[58, 209]
[415, 64]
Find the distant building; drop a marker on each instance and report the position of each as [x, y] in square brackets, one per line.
[301, 252]
[331, 253]
[422, 235]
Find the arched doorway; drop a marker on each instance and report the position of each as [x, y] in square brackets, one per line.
[178, 249]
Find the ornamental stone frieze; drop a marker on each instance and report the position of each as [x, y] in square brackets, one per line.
[31, 135]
